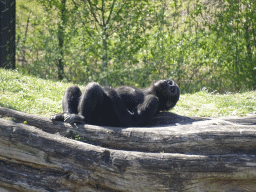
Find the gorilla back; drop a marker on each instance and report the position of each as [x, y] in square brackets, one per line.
[122, 106]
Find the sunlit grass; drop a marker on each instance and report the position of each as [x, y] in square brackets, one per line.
[205, 104]
[43, 97]
[30, 94]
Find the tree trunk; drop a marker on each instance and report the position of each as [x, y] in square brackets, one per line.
[180, 154]
[105, 56]
[7, 34]
[61, 40]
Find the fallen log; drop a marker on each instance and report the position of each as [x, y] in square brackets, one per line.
[183, 154]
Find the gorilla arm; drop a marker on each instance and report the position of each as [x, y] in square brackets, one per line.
[138, 115]
[125, 117]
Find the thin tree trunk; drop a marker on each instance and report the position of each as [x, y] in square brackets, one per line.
[105, 56]
[61, 40]
[104, 43]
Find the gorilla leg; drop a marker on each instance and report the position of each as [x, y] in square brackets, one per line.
[90, 103]
[82, 108]
[102, 106]
[71, 100]
[69, 104]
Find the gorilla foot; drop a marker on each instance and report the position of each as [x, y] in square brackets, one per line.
[57, 117]
[68, 118]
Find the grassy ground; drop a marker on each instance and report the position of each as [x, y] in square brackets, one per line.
[205, 104]
[30, 94]
[43, 97]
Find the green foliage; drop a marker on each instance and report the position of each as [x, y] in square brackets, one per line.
[236, 49]
[116, 42]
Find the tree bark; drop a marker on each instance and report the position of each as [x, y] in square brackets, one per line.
[61, 35]
[182, 154]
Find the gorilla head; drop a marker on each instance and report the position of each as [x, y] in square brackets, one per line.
[168, 93]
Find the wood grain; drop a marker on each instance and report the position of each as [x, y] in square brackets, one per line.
[182, 154]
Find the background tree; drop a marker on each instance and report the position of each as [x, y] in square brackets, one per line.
[198, 43]
[120, 27]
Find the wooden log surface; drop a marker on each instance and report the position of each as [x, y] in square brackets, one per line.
[181, 154]
[179, 135]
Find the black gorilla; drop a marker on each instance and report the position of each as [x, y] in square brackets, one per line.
[122, 106]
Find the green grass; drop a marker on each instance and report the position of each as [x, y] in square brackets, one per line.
[43, 97]
[205, 104]
[30, 94]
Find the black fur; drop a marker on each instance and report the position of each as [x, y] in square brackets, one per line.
[122, 106]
